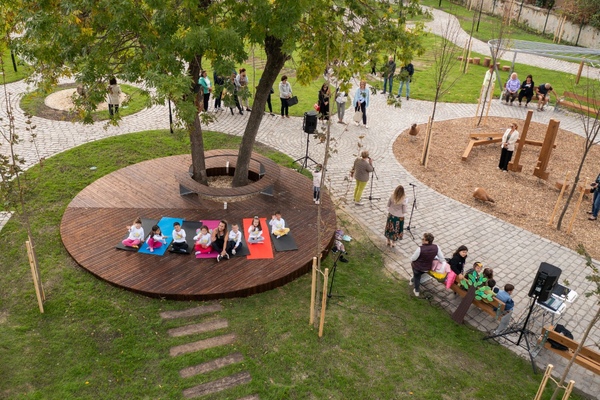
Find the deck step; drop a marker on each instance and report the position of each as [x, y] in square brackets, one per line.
[211, 365]
[216, 386]
[199, 328]
[192, 312]
[202, 344]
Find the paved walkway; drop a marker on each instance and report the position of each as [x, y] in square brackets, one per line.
[514, 253]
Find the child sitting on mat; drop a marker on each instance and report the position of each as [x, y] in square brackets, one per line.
[234, 240]
[136, 234]
[203, 241]
[156, 239]
[255, 232]
[278, 225]
[179, 243]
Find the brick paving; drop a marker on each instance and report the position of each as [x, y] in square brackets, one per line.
[514, 252]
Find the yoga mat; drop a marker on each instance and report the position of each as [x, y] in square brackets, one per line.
[147, 224]
[243, 248]
[190, 231]
[166, 227]
[259, 250]
[284, 243]
[212, 224]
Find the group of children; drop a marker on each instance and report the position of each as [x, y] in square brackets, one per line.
[206, 240]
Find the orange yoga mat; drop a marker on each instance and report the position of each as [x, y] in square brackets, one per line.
[259, 250]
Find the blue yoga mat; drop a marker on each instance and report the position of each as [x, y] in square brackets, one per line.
[166, 227]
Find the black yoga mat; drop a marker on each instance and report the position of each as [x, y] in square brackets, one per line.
[147, 224]
[284, 243]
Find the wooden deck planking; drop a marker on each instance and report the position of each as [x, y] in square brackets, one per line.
[181, 276]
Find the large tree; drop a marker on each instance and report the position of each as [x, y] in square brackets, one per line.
[162, 44]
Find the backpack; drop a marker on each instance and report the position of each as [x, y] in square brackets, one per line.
[563, 331]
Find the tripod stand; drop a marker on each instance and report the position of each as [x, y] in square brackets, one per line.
[412, 210]
[373, 174]
[332, 273]
[523, 332]
[306, 156]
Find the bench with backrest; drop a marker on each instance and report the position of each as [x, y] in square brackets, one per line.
[495, 308]
[583, 103]
[587, 358]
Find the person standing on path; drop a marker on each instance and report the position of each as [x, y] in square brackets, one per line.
[510, 137]
[394, 226]
[324, 95]
[422, 259]
[285, 94]
[241, 82]
[341, 99]
[596, 199]
[363, 166]
[114, 97]
[360, 102]
[406, 74]
[204, 82]
[488, 81]
[388, 74]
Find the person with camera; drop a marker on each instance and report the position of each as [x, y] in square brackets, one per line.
[596, 199]
[363, 166]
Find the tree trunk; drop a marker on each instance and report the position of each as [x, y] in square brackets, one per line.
[275, 61]
[575, 183]
[197, 147]
[459, 314]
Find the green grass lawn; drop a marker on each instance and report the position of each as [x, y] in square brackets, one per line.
[489, 26]
[97, 341]
[33, 102]
[23, 70]
[468, 86]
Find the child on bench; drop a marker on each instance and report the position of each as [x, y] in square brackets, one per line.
[278, 225]
[136, 234]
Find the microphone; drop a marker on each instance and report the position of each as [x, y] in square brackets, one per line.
[412, 184]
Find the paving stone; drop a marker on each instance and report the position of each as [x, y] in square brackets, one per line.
[202, 345]
[198, 328]
[218, 385]
[192, 312]
[211, 365]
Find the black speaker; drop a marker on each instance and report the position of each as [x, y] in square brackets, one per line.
[309, 124]
[545, 280]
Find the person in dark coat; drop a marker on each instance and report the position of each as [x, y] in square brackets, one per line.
[324, 95]
[422, 260]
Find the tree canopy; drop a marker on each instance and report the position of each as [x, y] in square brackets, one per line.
[162, 44]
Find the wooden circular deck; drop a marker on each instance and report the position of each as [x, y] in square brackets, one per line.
[94, 223]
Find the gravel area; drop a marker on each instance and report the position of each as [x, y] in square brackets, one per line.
[520, 198]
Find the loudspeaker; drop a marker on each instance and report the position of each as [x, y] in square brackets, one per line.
[309, 125]
[545, 280]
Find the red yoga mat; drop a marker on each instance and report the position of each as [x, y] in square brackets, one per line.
[262, 250]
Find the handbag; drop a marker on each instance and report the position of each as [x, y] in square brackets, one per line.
[358, 115]
[292, 101]
[317, 107]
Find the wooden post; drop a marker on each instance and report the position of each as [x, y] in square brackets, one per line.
[547, 374]
[313, 292]
[489, 104]
[581, 193]
[544, 158]
[35, 273]
[560, 196]
[468, 57]
[514, 164]
[568, 389]
[323, 302]
[579, 73]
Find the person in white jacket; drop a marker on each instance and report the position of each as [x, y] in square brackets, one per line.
[509, 139]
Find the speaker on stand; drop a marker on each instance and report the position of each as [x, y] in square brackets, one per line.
[309, 126]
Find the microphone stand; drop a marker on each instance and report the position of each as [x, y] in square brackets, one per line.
[373, 174]
[414, 207]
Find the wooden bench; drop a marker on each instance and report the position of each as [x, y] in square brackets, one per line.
[495, 308]
[585, 104]
[587, 358]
